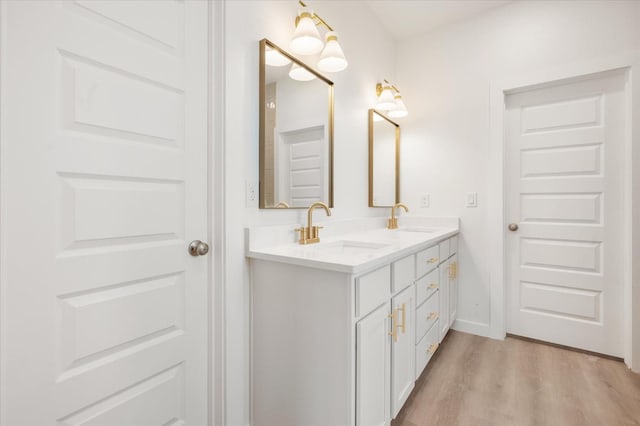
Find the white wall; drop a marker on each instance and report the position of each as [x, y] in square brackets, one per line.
[446, 76]
[370, 53]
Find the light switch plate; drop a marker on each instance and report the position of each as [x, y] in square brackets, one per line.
[425, 200]
[251, 194]
[472, 199]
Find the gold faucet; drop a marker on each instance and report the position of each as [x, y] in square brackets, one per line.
[309, 234]
[392, 223]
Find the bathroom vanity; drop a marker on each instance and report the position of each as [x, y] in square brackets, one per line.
[343, 328]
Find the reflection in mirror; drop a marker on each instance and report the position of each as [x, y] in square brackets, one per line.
[384, 160]
[296, 132]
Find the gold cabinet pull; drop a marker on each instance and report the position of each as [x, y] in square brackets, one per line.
[432, 315]
[433, 285]
[453, 270]
[393, 333]
[433, 260]
[404, 318]
[433, 348]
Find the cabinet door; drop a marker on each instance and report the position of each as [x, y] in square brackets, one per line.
[444, 299]
[372, 368]
[403, 348]
[453, 289]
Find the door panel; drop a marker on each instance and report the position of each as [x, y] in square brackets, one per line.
[453, 289]
[572, 255]
[581, 160]
[403, 349]
[301, 164]
[105, 148]
[443, 320]
[582, 208]
[564, 190]
[372, 369]
[567, 302]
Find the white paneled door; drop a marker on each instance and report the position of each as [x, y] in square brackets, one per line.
[302, 162]
[564, 193]
[104, 168]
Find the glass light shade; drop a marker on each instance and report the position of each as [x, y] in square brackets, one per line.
[306, 38]
[385, 100]
[274, 58]
[332, 58]
[400, 110]
[299, 73]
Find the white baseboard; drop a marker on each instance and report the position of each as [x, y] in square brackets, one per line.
[472, 327]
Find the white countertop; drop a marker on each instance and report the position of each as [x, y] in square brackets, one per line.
[368, 247]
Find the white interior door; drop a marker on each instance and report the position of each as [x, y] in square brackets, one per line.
[564, 191]
[104, 184]
[302, 164]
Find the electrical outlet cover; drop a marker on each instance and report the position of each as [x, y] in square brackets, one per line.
[425, 200]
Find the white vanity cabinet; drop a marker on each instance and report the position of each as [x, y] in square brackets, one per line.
[436, 298]
[403, 348]
[453, 289]
[448, 284]
[341, 347]
[372, 367]
[443, 269]
[428, 307]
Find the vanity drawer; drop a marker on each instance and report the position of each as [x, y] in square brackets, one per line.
[372, 289]
[427, 315]
[444, 250]
[403, 273]
[426, 260]
[425, 349]
[427, 285]
[453, 245]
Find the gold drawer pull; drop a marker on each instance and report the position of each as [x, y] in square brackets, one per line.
[404, 318]
[433, 260]
[432, 315]
[393, 333]
[433, 348]
[453, 270]
[433, 285]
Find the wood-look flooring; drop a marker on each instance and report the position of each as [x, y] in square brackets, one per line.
[473, 380]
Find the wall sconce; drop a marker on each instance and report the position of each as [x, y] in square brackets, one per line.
[390, 100]
[274, 58]
[300, 74]
[307, 41]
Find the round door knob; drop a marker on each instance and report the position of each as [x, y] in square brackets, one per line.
[513, 227]
[198, 248]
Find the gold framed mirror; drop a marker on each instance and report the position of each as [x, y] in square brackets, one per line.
[384, 160]
[296, 132]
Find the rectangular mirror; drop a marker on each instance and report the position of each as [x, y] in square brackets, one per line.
[296, 132]
[384, 160]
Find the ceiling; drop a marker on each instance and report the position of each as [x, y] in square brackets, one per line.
[407, 18]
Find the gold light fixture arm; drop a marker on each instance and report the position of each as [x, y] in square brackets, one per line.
[379, 87]
[315, 17]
